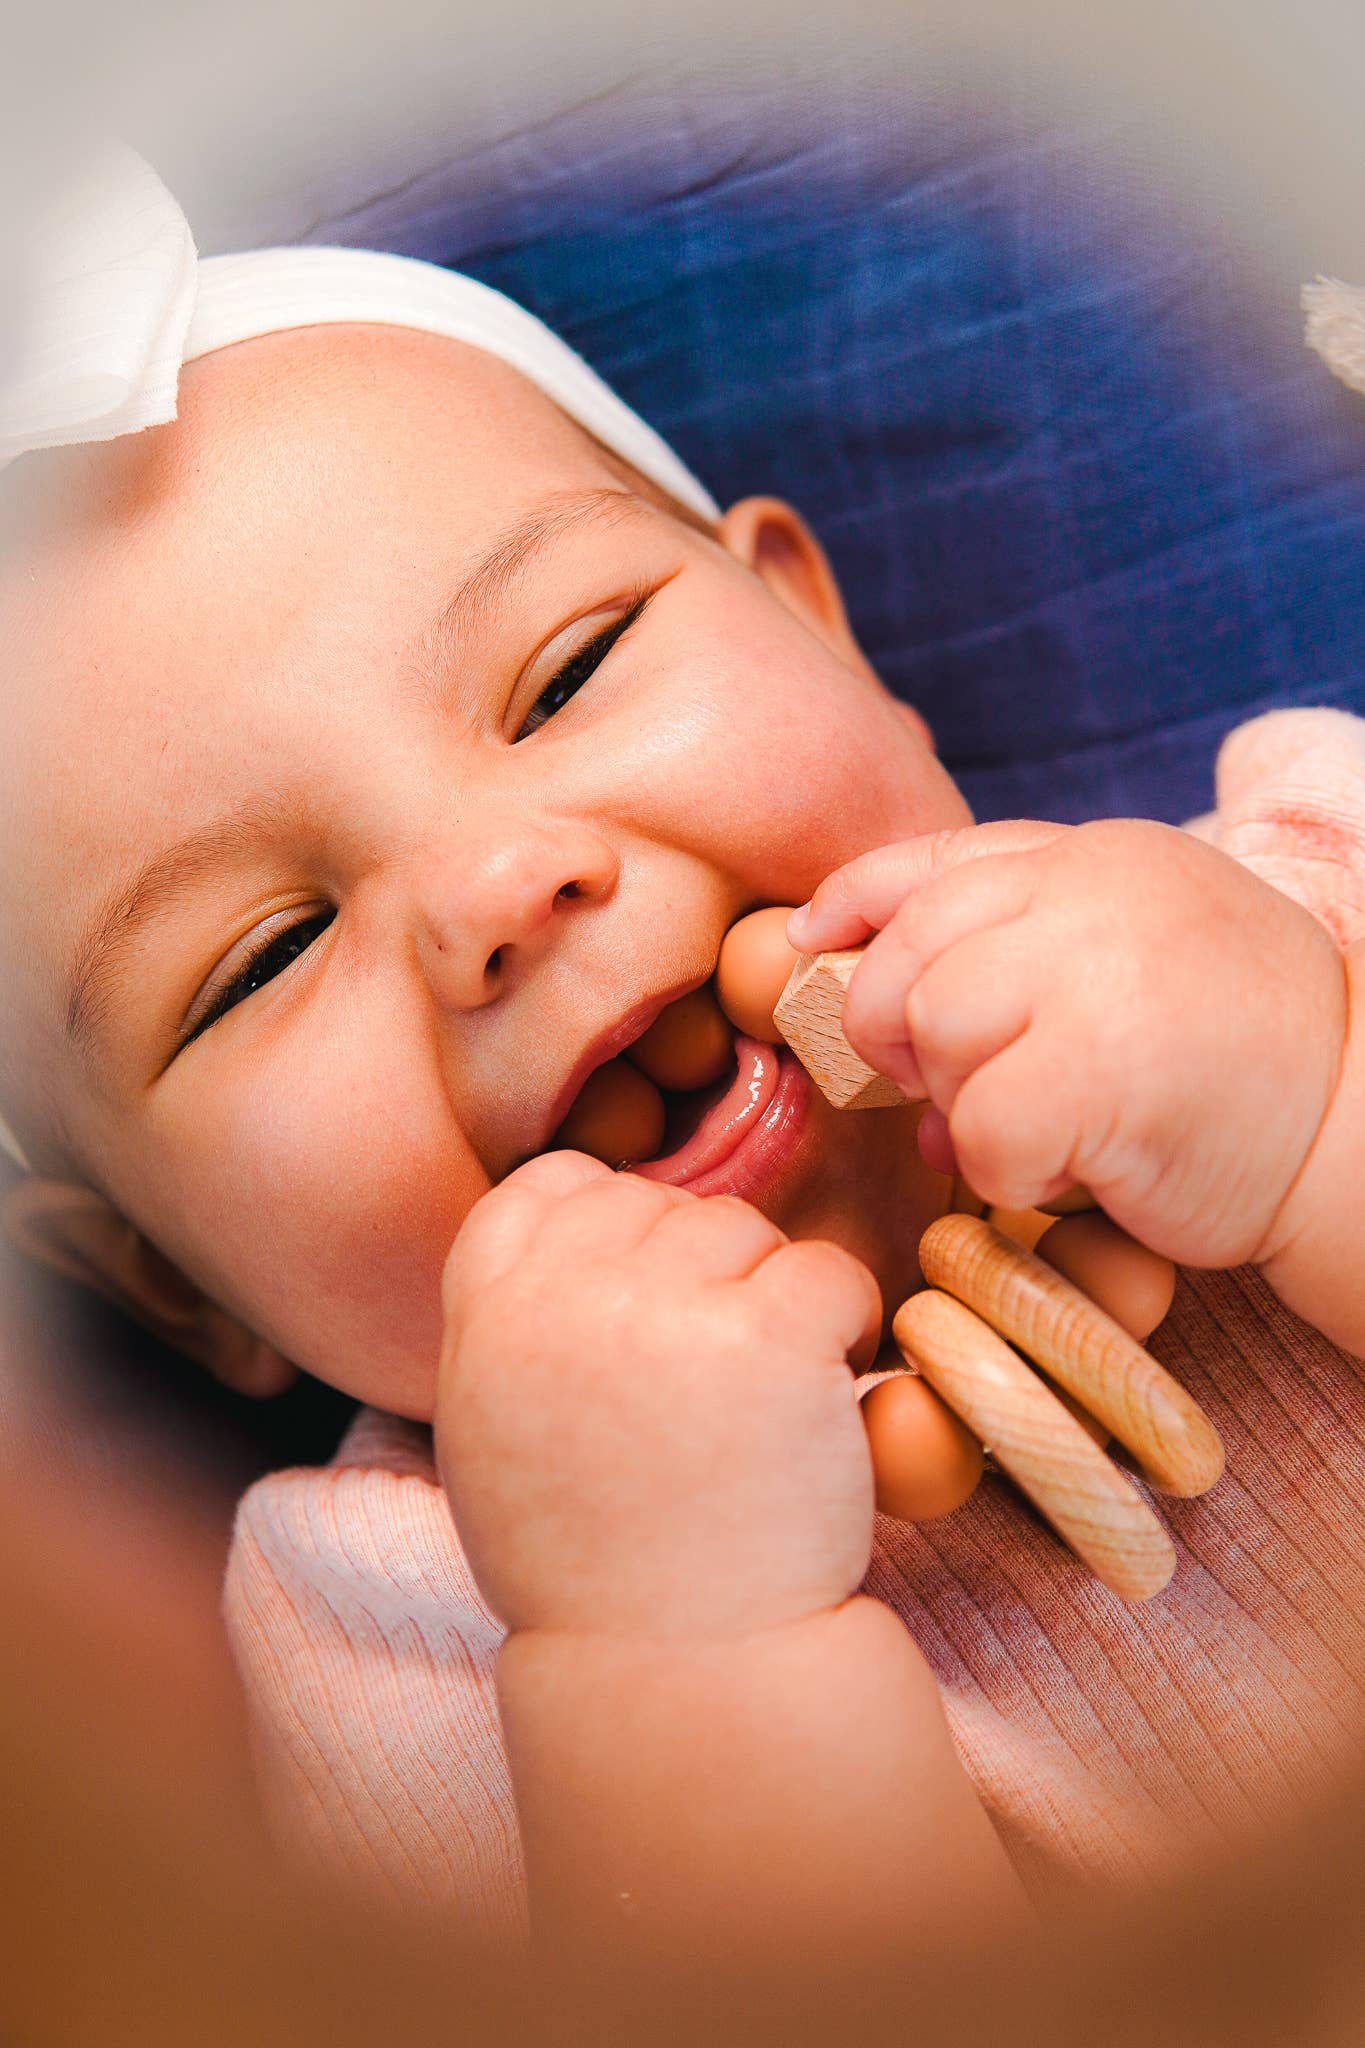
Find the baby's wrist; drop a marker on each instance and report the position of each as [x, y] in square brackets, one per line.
[666, 1687]
[717, 1797]
[658, 1726]
[627, 1649]
[1314, 1252]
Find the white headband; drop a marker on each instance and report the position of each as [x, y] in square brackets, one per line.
[115, 299]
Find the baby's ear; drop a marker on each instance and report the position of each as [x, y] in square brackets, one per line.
[79, 1234]
[770, 537]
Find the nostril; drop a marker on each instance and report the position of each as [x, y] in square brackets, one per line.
[570, 889]
[493, 964]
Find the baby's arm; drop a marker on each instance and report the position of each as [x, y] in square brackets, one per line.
[1313, 1255]
[747, 1797]
[1291, 806]
[1121, 1005]
[649, 1433]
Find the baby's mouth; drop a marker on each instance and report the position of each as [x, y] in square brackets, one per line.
[705, 1126]
[626, 1117]
[656, 1084]
[675, 1093]
[686, 1110]
[665, 1080]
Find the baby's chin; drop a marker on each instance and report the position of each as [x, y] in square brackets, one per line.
[873, 1194]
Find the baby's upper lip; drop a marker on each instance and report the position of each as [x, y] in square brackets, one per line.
[605, 1046]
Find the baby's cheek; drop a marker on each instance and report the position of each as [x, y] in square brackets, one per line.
[325, 1212]
[801, 762]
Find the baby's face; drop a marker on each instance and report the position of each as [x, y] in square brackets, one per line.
[375, 750]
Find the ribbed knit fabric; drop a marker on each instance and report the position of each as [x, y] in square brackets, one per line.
[368, 1659]
[1105, 1740]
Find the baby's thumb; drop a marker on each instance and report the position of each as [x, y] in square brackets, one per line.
[1284, 746]
[864, 895]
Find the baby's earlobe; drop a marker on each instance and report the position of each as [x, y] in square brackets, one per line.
[239, 1358]
[918, 724]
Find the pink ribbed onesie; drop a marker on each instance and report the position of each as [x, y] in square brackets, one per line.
[1104, 1739]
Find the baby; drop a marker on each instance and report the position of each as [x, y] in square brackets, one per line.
[384, 751]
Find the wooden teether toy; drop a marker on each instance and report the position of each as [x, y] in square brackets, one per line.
[1038, 1442]
[1079, 1347]
[808, 1014]
[991, 1307]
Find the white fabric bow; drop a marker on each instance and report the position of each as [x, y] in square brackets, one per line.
[106, 291]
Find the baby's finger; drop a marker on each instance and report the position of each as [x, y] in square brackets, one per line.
[1013, 1130]
[1287, 747]
[1291, 807]
[934, 1141]
[717, 1237]
[971, 1003]
[827, 1294]
[605, 1218]
[502, 1226]
[959, 905]
[863, 896]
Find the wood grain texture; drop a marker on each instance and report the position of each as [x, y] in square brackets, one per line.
[1080, 1347]
[809, 1014]
[1047, 1453]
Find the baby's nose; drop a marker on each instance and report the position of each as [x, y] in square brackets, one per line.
[485, 912]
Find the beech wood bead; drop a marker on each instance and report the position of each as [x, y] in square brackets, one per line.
[925, 1461]
[689, 1045]
[1071, 1202]
[618, 1116]
[1021, 1226]
[755, 965]
[1132, 1284]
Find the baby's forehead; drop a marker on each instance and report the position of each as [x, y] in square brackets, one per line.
[306, 409]
[325, 471]
[325, 466]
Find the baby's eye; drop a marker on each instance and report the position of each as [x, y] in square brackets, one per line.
[578, 668]
[279, 951]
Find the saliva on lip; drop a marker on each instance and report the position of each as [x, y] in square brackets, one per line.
[620, 1115]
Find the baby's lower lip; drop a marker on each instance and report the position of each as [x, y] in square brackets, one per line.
[750, 1135]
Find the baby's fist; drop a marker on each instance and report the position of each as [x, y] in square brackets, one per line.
[646, 1420]
[1116, 1004]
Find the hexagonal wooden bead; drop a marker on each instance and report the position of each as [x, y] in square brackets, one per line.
[809, 1015]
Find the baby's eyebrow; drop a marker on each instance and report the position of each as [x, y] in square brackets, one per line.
[171, 874]
[480, 593]
[153, 890]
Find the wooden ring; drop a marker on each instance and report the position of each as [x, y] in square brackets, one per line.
[1089, 1502]
[1080, 1347]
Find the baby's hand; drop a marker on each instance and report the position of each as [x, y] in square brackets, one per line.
[1116, 1004]
[646, 1419]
